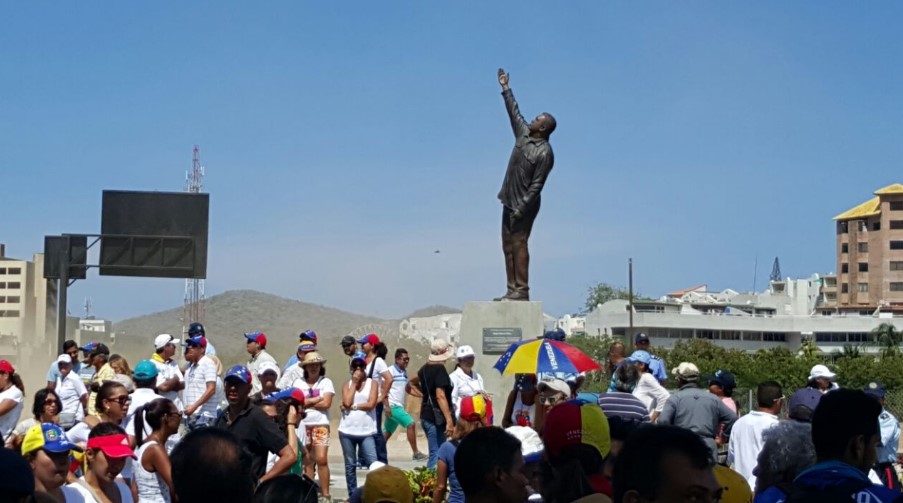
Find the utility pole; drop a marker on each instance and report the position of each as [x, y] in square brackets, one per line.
[630, 297]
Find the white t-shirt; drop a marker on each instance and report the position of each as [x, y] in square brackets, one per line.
[399, 381]
[746, 443]
[322, 387]
[651, 393]
[360, 423]
[196, 378]
[165, 372]
[379, 366]
[125, 494]
[254, 366]
[8, 421]
[70, 390]
[464, 385]
[290, 376]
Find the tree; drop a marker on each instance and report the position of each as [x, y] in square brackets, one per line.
[603, 292]
[888, 338]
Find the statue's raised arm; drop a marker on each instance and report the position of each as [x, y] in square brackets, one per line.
[518, 124]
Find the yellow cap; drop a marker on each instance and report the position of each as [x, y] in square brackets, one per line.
[736, 488]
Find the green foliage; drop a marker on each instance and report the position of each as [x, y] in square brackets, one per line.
[888, 338]
[603, 292]
[423, 482]
[597, 349]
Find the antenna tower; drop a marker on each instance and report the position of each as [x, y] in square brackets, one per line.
[776, 270]
[194, 310]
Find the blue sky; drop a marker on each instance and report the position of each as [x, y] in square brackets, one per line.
[346, 141]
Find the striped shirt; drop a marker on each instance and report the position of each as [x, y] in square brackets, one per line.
[623, 405]
[196, 378]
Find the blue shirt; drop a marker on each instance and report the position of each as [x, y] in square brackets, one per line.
[890, 437]
[623, 405]
[291, 361]
[657, 369]
[447, 455]
[832, 473]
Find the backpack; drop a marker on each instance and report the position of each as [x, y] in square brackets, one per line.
[841, 493]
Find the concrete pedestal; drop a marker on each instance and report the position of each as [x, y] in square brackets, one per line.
[490, 327]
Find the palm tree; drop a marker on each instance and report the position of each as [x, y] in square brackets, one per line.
[888, 338]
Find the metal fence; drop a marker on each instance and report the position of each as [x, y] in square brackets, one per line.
[746, 399]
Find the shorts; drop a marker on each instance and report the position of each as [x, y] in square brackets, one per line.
[317, 435]
[400, 417]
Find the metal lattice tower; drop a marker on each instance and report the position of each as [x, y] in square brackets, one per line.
[194, 288]
[776, 270]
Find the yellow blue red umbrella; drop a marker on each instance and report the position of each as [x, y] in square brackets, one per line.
[544, 355]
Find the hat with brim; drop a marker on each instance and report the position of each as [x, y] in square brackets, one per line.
[821, 371]
[440, 350]
[311, 358]
[113, 446]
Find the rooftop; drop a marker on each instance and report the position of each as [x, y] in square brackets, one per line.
[871, 207]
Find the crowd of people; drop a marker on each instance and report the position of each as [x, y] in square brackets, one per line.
[101, 431]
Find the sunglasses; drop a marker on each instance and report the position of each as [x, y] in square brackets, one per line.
[550, 400]
[121, 400]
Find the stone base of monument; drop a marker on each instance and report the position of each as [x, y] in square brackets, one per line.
[490, 328]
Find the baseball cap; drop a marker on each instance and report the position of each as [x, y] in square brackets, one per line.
[239, 372]
[686, 370]
[258, 337]
[576, 422]
[555, 335]
[473, 408]
[821, 371]
[63, 358]
[196, 329]
[7, 367]
[803, 403]
[640, 356]
[359, 357]
[554, 384]
[308, 335]
[47, 436]
[875, 389]
[268, 366]
[640, 337]
[294, 394]
[530, 444]
[735, 487]
[387, 485]
[724, 379]
[307, 346]
[348, 340]
[100, 349]
[114, 446]
[145, 370]
[465, 352]
[17, 479]
[198, 340]
[162, 340]
[88, 347]
[369, 339]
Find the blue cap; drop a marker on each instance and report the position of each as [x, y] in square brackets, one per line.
[359, 356]
[294, 394]
[145, 370]
[47, 436]
[806, 397]
[875, 389]
[556, 335]
[640, 337]
[199, 341]
[724, 379]
[308, 335]
[239, 372]
[196, 329]
[640, 357]
[89, 346]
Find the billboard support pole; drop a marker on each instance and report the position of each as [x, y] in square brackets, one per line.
[61, 297]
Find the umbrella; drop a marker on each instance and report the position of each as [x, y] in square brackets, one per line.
[544, 355]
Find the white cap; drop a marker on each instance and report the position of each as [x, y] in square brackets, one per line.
[821, 371]
[164, 339]
[439, 350]
[465, 351]
[554, 384]
[376, 465]
[530, 444]
[64, 358]
[268, 365]
[686, 370]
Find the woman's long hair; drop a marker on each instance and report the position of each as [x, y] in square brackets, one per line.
[464, 427]
[40, 397]
[153, 413]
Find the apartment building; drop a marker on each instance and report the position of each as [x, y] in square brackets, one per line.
[27, 306]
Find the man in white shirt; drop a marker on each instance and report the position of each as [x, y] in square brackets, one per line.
[256, 347]
[746, 435]
[200, 384]
[397, 415]
[71, 391]
[169, 377]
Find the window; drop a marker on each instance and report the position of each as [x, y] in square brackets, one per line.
[863, 227]
[876, 225]
[14, 270]
[844, 248]
[14, 284]
[863, 247]
[896, 245]
[2, 270]
[830, 337]
[774, 337]
[9, 314]
[896, 205]
[863, 267]
[13, 300]
[896, 266]
[896, 287]
[844, 288]
[844, 268]
[842, 227]
[863, 287]
[896, 224]
[859, 337]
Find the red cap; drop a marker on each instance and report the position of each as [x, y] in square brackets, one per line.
[371, 339]
[113, 446]
[7, 367]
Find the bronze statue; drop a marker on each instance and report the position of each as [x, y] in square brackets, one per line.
[530, 164]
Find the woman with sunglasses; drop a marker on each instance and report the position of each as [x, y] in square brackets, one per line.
[358, 425]
[552, 392]
[12, 394]
[106, 451]
[152, 480]
[111, 406]
[45, 410]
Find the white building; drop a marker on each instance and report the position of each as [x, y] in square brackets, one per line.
[779, 317]
[572, 324]
[445, 326]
